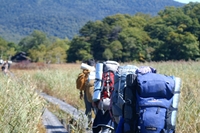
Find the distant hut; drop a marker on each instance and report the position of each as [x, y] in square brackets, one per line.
[20, 57]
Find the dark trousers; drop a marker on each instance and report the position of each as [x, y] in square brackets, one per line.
[88, 108]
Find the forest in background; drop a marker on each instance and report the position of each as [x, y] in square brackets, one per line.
[64, 18]
[173, 34]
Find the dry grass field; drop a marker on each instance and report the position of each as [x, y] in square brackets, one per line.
[59, 80]
[20, 105]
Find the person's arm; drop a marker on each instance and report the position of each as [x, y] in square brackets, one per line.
[81, 95]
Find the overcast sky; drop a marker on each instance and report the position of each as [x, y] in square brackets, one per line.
[187, 1]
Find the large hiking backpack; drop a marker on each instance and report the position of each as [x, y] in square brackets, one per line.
[151, 103]
[104, 85]
[117, 99]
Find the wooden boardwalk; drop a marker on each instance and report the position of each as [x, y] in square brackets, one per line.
[51, 122]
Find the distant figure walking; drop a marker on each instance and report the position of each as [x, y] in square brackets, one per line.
[5, 67]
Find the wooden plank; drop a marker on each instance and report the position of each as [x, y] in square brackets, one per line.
[78, 115]
[51, 123]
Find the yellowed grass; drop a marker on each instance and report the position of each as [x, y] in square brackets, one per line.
[20, 106]
[59, 80]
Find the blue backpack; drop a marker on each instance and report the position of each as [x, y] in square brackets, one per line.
[151, 103]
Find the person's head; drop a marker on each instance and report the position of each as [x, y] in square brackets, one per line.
[5, 62]
[91, 62]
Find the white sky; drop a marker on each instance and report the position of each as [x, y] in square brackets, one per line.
[187, 1]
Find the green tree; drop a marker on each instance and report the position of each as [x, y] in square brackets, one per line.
[35, 39]
[97, 34]
[172, 38]
[178, 47]
[116, 49]
[79, 50]
[107, 54]
[57, 52]
[135, 42]
[38, 53]
[193, 10]
[183, 46]
[117, 20]
[7, 49]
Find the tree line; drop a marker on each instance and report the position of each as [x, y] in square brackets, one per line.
[173, 34]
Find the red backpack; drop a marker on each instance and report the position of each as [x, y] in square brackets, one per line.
[107, 86]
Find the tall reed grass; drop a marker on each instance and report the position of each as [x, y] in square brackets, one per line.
[59, 81]
[20, 105]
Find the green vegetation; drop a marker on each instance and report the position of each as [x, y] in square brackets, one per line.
[172, 35]
[64, 18]
[20, 106]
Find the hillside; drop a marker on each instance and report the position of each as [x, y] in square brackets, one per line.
[64, 18]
